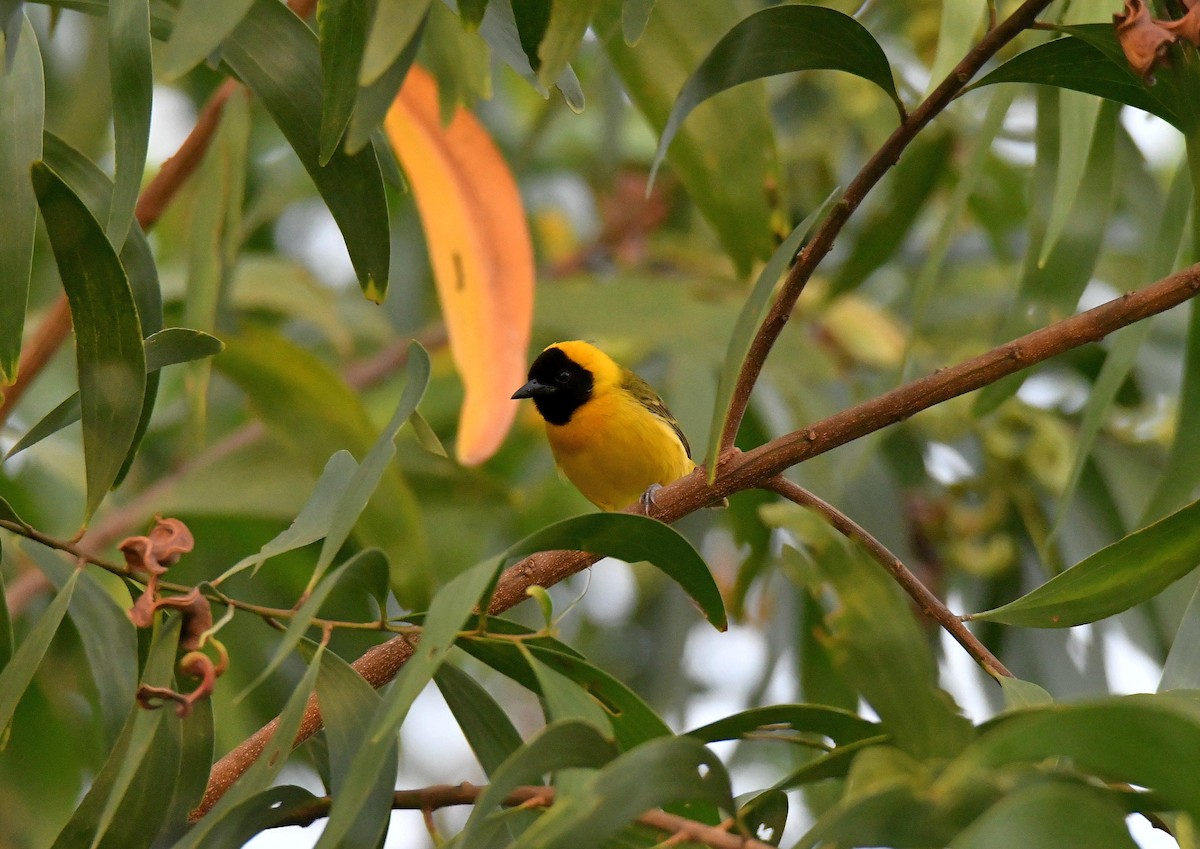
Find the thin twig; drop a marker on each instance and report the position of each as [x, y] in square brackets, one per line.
[927, 602]
[740, 471]
[441, 796]
[866, 179]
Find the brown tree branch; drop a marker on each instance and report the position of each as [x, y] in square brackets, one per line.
[448, 795]
[866, 179]
[738, 471]
[927, 602]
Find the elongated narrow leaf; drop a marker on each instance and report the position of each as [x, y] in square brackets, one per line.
[108, 337]
[286, 384]
[312, 523]
[1182, 667]
[124, 805]
[839, 725]
[489, 732]
[342, 25]
[765, 816]
[751, 316]
[833, 764]
[277, 56]
[6, 632]
[108, 637]
[17, 674]
[635, 14]
[660, 772]
[451, 607]
[725, 154]
[1181, 471]
[1049, 815]
[563, 698]
[195, 762]
[568, 743]
[200, 27]
[261, 774]
[960, 24]
[635, 538]
[132, 81]
[164, 348]
[22, 103]
[372, 560]
[375, 99]
[347, 704]
[1126, 573]
[776, 41]
[564, 33]
[481, 252]
[371, 470]
[1078, 62]
[395, 24]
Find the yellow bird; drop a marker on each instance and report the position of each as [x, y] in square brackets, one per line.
[610, 433]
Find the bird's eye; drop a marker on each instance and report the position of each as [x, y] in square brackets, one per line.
[562, 377]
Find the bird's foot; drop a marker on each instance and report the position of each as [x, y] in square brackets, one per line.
[646, 502]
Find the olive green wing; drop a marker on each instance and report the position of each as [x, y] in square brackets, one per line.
[648, 398]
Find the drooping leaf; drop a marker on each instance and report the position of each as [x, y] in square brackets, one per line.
[6, 632]
[195, 762]
[776, 41]
[22, 103]
[123, 806]
[956, 35]
[532, 17]
[748, 321]
[347, 704]
[765, 816]
[375, 99]
[277, 56]
[725, 154]
[132, 83]
[481, 253]
[343, 26]
[1022, 694]
[18, 672]
[564, 32]
[254, 815]
[1181, 470]
[164, 348]
[635, 14]
[1126, 573]
[502, 33]
[200, 27]
[110, 358]
[395, 24]
[485, 724]
[841, 726]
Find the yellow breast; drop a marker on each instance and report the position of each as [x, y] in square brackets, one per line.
[613, 449]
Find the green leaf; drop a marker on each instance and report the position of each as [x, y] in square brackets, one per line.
[471, 13]
[164, 348]
[347, 704]
[1126, 573]
[532, 18]
[560, 745]
[1089, 61]
[765, 816]
[839, 725]
[563, 698]
[109, 638]
[393, 30]
[195, 762]
[246, 790]
[1107, 738]
[485, 724]
[664, 771]
[832, 764]
[632, 539]
[563, 35]
[288, 384]
[449, 611]
[748, 321]
[200, 27]
[1049, 815]
[108, 337]
[957, 33]
[6, 631]
[1181, 670]
[1022, 694]
[18, 672]
[278, 57]
[312, 523]
[1181, 470]
[725, 154]
[342, 25]
[370, 471]
[254, 815]
[124, 807]
[425, 435]
[779, 40]
[22, 103]
[372, 560]
[132, 81]
[635, 14]
[375, 99]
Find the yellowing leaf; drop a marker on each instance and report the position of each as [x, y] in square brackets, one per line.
[481, 252]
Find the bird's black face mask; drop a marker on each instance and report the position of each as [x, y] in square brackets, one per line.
[558, 386]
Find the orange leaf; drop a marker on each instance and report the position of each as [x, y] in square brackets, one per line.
[481, 253]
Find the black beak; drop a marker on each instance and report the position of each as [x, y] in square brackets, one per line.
[532, 389]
